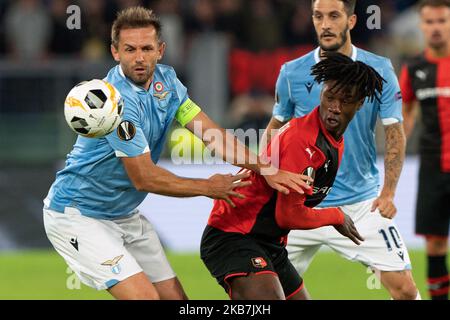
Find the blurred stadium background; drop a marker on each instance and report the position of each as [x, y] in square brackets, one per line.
[228, 53]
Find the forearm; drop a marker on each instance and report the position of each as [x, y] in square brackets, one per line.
[223, 144]
[394, 158]
[163, 182]
[236, 153]
[300, 217]
[272, 128]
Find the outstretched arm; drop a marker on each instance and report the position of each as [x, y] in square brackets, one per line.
[230, 149]
[148, 177]
[272, 128]
[292, 214]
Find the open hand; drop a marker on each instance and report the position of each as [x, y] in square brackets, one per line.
[282, 181]
[222, 186]
[348, 229]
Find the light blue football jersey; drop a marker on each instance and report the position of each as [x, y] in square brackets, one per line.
[297, 94]
[94, 179]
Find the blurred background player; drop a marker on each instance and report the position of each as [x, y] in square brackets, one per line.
[251, 237]
[425, 81]
[90, 212]
[356, 188]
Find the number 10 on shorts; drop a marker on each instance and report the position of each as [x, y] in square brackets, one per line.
[391, 234]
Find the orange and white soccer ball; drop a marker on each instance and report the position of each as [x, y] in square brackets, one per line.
[93, 108]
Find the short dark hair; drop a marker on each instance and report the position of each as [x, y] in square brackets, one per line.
[433, 3]
[348, 4]
[349, 74]
[134, 17]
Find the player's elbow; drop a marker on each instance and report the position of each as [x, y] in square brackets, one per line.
[139, 186]
[287, 222]
[144, 185]
[283, 223]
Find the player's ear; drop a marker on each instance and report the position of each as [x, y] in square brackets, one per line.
[161, 50]
[352, 21]
[115, 53]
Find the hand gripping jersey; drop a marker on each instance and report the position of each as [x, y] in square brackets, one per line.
[427, 80]
[305, 146]
[94, 180]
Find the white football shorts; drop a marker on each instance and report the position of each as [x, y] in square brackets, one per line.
[383, 248]
[104, 252]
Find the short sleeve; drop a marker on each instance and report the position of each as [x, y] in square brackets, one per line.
[283, 109]
[181, 91]
[405, 85]
[187, 109]
[391, 97]
[128, 140]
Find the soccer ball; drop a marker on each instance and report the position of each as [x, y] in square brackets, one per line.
[93, 108]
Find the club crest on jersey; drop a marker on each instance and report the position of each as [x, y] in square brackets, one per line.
[259, 262]
[161, 96]
[126, 131]
[159, 87]
[114, 264]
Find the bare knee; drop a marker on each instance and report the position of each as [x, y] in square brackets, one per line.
[407, 291]
[136, 287]
[400, 285]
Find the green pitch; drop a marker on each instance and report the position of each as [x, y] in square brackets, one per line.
[44, 275]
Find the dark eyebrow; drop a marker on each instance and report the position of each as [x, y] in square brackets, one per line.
[334, 12]
[329, 13]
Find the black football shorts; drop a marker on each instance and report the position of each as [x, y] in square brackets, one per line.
[230, 254]
[433, 201]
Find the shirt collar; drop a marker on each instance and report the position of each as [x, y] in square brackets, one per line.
[317, 54]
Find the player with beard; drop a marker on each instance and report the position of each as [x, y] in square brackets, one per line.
[356, 190]
[90, 212]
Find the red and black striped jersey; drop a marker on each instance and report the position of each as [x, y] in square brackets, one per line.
[427, 80]
[301, 146]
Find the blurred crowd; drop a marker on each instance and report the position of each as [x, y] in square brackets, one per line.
[260, 33]
[36, 29]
